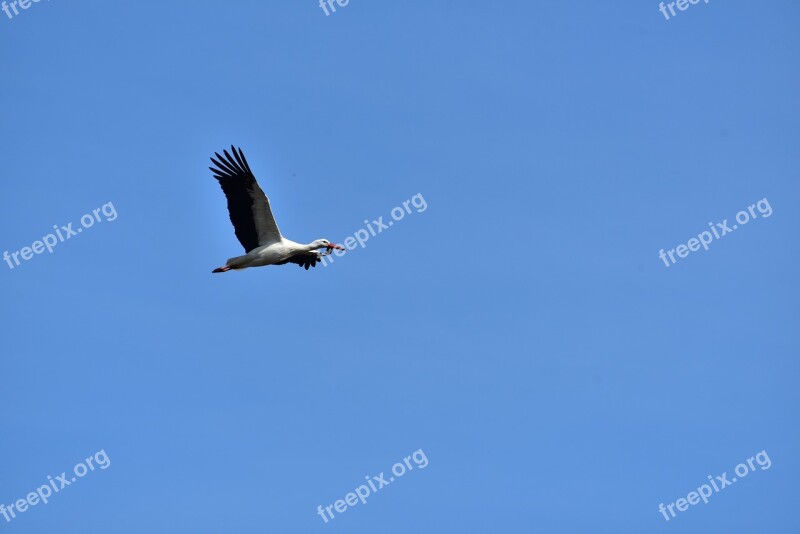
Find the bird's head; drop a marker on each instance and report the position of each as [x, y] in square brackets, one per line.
[324, 243]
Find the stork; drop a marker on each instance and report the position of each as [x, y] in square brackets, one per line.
[253, 222]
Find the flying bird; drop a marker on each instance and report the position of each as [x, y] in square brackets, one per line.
[253, 222]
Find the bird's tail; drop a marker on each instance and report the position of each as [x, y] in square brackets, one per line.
[237, 263]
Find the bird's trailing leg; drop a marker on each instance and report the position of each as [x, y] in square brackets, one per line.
[222, 269]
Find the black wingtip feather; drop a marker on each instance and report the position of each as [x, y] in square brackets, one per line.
[223, 168]
[244, 160]
[238, 155]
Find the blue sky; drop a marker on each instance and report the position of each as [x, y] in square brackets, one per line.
[521, 331]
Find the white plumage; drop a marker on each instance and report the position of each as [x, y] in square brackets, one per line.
[254, 223]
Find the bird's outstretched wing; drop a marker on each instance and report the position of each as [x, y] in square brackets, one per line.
[248, 206]
[304, 259]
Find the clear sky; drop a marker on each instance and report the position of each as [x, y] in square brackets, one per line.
[521, 331]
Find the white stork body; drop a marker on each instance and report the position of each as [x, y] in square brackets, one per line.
[274, 254]
[254, 223]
